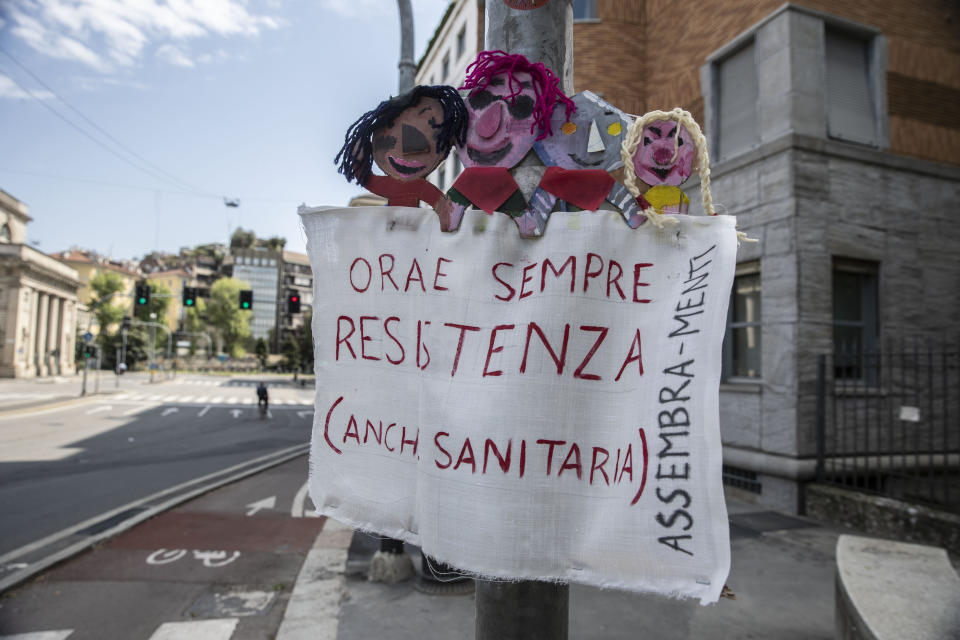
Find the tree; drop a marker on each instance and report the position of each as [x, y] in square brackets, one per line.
[306, 340]
[242, 239]
[194, 324]
[224, 314]
[261, 351]
[106, 284]
[291, 353]
[275, 243]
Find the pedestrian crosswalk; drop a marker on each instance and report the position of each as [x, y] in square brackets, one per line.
[213, 629]
[276, 399]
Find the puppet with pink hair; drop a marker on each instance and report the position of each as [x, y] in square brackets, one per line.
[510, 102]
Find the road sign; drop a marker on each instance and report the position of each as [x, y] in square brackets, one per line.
[88, 337]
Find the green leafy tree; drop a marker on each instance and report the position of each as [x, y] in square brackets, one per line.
[276, 243]
[261, 350]
[104, 301]
[242, 239]
[224, 314]
[305, 336]
[159, 301]
[291, 353]
[195, 324]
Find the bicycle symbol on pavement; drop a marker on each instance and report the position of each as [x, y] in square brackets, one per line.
[211, 559]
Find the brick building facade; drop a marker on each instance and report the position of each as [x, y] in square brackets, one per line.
[835, 140]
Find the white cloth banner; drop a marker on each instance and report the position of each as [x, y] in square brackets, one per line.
[525, 408]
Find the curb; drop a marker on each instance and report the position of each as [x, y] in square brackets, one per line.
[105, 525]
[313, 612]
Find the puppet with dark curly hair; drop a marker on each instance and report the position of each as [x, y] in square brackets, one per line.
[407, 137]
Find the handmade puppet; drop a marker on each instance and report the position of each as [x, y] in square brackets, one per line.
[407, 137]
[580, 155]
[510, 101]
[658, 154]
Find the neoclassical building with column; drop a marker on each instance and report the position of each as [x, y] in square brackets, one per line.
[38, 302]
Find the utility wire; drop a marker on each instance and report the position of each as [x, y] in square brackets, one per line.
[136, 187]
[165, 175]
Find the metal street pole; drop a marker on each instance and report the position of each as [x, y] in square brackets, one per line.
[408, 68]
[528, 609]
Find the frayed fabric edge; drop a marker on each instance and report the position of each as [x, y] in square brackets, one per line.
[710, 596]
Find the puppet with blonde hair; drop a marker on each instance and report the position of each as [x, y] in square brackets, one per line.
[659, 153]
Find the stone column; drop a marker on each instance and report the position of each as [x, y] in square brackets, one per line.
[30, 343]
[66, 329]
[53, 334]
[43, 317]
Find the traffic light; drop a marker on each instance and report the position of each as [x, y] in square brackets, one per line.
[126, 323]
[189, 296]
[293, 303]
[89, 351]
[246, 299]
[142, 298]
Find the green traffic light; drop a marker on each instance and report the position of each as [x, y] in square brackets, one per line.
[143, 301]
[246, 305]
[189, 303]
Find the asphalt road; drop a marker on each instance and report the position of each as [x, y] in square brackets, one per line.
[63, 465]
[220, 566]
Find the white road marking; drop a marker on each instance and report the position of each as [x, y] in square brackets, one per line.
[170, 398]
[299, 509]
[216, 400]
[102, 407]
[204, 412]
[259, 505]
[247, 401]
[201, 399]
[138, 410]
[186, 398]
[217, 629]
[232, 400]
[236, 412]
[168, 411]
[304, 414]
[40, 635]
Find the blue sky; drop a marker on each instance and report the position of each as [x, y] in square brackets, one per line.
[232, 98]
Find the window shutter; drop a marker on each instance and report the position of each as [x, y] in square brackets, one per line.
[738, 103]
[850, 113]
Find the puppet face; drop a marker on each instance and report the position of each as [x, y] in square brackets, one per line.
[590, 140]
[407, 149]
[499, 133]
[653, 159]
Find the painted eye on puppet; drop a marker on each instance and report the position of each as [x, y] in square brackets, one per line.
[569, 128]
[521, 107]
[481, 99]
[614, 129]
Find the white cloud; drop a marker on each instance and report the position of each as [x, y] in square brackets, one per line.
[107, 34]
[174, 55]
[10, 89]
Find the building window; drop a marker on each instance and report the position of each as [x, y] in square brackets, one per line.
[5, 233]
[742, 343]
[850, 110]
[445, 68]
[737, 103]
[855, 314]
[584, 9]
[461, 41]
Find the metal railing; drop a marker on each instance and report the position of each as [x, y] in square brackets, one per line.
[888, 421]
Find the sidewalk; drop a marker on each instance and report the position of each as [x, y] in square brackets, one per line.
[782, 575]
